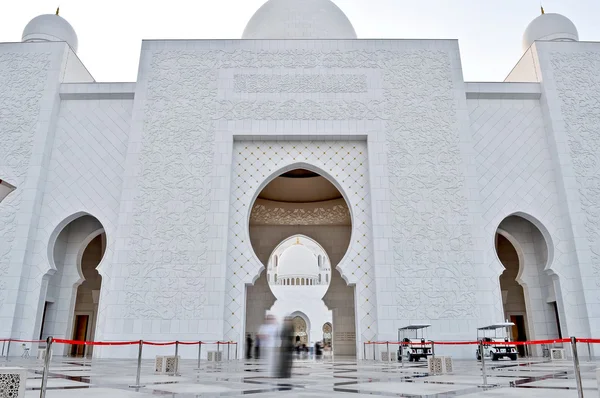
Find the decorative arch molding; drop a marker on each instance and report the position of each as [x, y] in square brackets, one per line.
[51, 266]
[5, 189]
[84, 244]
[518, 248]
[303, 316]
[345, 165]
[526, 234]
[535, 221]
[303, 236]
[307, 166]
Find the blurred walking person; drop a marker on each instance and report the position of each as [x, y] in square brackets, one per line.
[257, 347]
[248, 346]
[269, 333]
[286, 349]
[318, 350]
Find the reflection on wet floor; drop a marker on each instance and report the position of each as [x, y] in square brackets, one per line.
[111, 378]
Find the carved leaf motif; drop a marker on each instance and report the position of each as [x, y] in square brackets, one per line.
[578, 84]
[337, 214]
[21, 88]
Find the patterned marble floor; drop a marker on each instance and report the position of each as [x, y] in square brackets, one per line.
[72, 378]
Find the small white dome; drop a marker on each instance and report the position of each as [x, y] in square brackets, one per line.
[298, 261]
[299, 19]
[550, 27]
[50, 27]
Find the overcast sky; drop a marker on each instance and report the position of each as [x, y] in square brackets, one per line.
[110, 31]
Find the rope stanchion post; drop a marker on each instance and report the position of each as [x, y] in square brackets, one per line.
[432, 349]
[364, 350]
[199, 353]
[576, 367]
[3, 344]
[218, 351]
[374, 356]
[228, 349]
[236, 357]
[387, 344]
[176, 358]
[139, 366]
[482, 354]
[46, 367]
[589, 352]
[7, 349]
[401, 349]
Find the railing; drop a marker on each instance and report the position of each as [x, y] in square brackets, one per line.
[482, 343]
[140, 343]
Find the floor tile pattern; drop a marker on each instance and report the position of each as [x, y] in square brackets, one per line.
[70, 378]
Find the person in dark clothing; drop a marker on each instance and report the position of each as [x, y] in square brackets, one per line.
[286, 349]
[248, 346]
[257, 347]
[318, 350]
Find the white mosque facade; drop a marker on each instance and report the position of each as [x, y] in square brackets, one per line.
[151, 209]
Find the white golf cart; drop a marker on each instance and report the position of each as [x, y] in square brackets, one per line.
[412, 346]
[501, 335]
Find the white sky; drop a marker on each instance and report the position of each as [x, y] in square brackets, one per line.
[110, 31]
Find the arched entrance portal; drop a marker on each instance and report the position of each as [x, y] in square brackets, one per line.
[327, 334]
[528, 292]
[71, 304]
[300, 331]
[303, 203]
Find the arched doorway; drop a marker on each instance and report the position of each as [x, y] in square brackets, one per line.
[327, 334]
[303, 203]
[71, 304]
[528, 291]
[300, 258]
[300, 331]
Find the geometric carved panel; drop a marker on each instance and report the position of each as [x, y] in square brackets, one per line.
[346, 164]
[12, 382]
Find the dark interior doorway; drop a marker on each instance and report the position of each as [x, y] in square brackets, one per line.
[518, 332]
[79, 334]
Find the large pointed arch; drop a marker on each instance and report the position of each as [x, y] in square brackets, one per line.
[535, 309]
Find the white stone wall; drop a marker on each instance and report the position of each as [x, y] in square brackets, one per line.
[518, 175]
[171, 176]
[400, 95]
[571, 92]
[85, 173]
[427, 217]
[30, 76]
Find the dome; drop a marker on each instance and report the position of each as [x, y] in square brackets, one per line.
[550, 27]
[299, 19]
[50, 27]
[297, 260]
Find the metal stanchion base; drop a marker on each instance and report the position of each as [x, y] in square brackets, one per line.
[142, 386]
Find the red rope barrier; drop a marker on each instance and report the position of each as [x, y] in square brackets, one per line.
[105, 343]
[487, 343]
[593, 341]
[158, 344]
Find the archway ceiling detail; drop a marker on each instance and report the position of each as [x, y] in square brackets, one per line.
[333, 212]
[300, 190]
